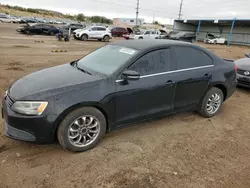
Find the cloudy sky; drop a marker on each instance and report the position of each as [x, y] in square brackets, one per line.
[164, 11]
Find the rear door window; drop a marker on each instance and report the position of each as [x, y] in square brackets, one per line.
[188, 57]
[153, 62]
[94, 29]
[101, 29]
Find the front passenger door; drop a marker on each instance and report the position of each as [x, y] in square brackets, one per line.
[152, 94]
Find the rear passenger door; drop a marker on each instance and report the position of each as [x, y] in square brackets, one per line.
[192, 74]
[150, 95]
[100, 32]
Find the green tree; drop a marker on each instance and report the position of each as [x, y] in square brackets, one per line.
[156, 23]
[80, 17]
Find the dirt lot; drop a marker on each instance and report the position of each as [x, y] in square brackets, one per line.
[184, 150]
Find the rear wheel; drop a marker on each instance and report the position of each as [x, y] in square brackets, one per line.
[211, 103]
[106, 38]
[84, 37]
[82, 129]
[140, 38]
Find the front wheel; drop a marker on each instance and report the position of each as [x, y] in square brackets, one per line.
[211, 103]
[106, 38]
[82, 129]
[51, 33]
[84, 37]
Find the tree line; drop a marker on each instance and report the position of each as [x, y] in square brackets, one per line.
[78, 17]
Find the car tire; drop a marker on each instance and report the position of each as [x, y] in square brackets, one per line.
[99, 39]
[66, 138]
[51, 33]
[140, 38]
[106, 38]
[225, 42]
[28, 32]
[215, 42]
[213, 98]
[84, 37]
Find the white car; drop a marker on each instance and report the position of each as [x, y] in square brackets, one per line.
[148, 34]
[215, 39]
[5, 18]
[78, 30]
[94, 32]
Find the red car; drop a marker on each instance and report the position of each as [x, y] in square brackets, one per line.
[119, 31]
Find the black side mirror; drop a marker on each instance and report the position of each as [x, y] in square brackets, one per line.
[130, 75]
[247, 55]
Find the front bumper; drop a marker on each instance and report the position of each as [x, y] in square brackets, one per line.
[38, 129]
[243, 80]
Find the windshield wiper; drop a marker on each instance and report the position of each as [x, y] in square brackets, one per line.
[81, 69]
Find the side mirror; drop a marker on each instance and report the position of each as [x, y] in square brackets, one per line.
[130, 75]
[247, 55]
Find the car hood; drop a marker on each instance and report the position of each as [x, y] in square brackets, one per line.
[243, 63]
[57, 78]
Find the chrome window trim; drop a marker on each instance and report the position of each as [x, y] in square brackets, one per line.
[168, 72]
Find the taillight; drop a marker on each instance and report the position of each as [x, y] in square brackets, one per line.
[235, 68]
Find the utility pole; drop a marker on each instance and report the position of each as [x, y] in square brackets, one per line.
[153, 18]
[180, 11]
[137, 13]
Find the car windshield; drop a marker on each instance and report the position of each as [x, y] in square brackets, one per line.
[106, 60]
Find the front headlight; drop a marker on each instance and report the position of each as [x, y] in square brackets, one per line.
[29, 108]
[5, 93]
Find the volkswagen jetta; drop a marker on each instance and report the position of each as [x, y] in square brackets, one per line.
[116, 85]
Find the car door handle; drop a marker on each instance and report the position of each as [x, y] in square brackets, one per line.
[207, 75]
[169, 82]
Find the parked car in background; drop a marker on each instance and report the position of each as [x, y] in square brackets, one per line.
[184, 36]
[38, 28]
[243, 72]
[170, 34]
[73, 26]
[147, 34]
[5, 18]
[111, 87]
[28, 20]
[215, 39]
[94, 32]
[78, 30]
[15, 19]
[163, 34]
[119, 31]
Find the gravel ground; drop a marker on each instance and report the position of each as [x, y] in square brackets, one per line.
[183, 150]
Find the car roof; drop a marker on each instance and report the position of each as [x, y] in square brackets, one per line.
[150, 43]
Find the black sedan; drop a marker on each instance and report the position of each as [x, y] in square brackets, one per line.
[243, 73]
[184, 36]
[116, 85]
[39, 29]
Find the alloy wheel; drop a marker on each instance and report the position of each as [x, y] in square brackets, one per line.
[84, 131]
[213, 103]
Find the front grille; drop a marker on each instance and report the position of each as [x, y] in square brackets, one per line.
[241, 72]
[9, 100]
[243, 82]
